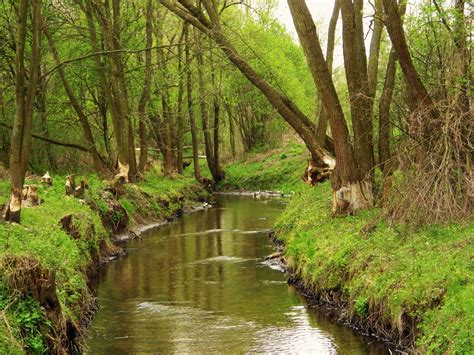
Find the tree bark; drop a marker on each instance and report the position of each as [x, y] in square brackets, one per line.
[145, 95]
[351, 191]
[189, 87]
[397, 36]
[355, 64]
[203, 107]
[323, 117]
[25, 97]
[180, 117]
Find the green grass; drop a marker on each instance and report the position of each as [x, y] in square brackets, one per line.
[281, 170]
[389, 272]
[23, 323]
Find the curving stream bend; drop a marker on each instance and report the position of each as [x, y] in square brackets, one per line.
[198, 285]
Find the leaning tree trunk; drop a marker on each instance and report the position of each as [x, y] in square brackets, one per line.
[25, 93]
[323, 117]
[99, 163]
[351, 191]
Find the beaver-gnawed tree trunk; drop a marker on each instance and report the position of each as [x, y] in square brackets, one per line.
[351, 190]
[25, 93]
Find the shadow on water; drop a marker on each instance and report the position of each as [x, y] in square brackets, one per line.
[198, 286]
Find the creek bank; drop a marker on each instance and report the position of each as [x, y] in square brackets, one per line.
[67, 240]
[411, 288]
[411, 285]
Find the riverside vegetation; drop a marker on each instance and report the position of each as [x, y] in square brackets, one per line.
[40, 315]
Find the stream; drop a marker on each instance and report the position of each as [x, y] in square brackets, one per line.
[199, 285]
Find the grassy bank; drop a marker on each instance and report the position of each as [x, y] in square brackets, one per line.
[44, 269]
[414, 287]
[278, 170]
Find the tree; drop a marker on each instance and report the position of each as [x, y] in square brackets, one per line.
[351, 191]
[25, 92]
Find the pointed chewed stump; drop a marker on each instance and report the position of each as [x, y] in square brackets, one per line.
[29, 196]
[70, 184]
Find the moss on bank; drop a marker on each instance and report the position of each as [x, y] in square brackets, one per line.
[414, 287]
[40, 246]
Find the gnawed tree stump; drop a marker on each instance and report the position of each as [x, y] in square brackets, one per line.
[349, 198]
[70, 185]
[13, 207]
[29, 196]
[117, 188]
[47, 180]
[318, 173]
[79, 190]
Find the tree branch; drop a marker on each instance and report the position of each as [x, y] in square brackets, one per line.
[52, 141]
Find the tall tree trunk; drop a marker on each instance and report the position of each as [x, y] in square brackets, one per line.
[115, 87]
[218, 173]
[99, 163]
[386, 164]
[355, 64]
[41, 107]
[203, 107]
[323, 117]
[460, 40]
[180, 117]
[189, 87]
[397, 36]
[145, 96]
[374, 53]
[168, 165]
[351, 191]
[231, 130]
[25, 97]
[384, 115]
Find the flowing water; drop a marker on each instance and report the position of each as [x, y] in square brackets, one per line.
[198, 285]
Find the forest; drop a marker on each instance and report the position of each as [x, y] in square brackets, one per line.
[120, 115]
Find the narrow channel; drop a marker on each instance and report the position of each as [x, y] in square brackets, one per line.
[198, 285]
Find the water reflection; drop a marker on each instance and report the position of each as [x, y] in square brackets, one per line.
[198, 286]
